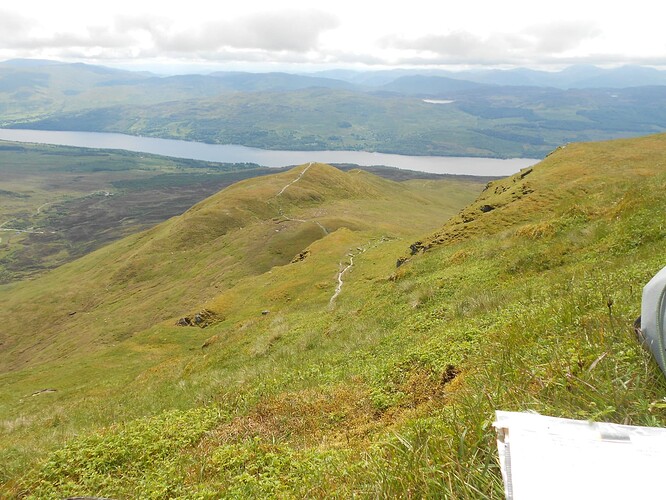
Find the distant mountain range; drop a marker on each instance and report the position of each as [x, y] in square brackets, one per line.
[489, 113]
[573, 77]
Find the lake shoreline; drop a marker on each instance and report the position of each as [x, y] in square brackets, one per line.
[229, 153]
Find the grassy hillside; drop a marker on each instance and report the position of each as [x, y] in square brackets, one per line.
[59, 203]
[243, 231]
[523, 301]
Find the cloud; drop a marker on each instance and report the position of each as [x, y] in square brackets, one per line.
[297, 36]
[19, 33]
[551, 39]
[12, 25]
[295, 31]
[460, 46]
[94, 37]
[531, 45]
[263, 35]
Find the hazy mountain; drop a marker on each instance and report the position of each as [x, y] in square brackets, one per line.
[372, 78]
[578, 76]
[515, 113]
[277, 81]
[27, 63]
[435, 86]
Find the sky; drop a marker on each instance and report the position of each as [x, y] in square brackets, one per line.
[310, 35]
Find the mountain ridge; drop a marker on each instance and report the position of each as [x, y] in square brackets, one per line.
[245, 229]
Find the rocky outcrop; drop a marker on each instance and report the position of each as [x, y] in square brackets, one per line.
[202, 319]
[301, 256]
[497, 195]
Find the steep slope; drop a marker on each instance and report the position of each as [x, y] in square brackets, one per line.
[244, 230]
[592, 181]
[524, 301]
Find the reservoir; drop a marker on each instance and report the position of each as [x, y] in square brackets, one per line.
[229, 153]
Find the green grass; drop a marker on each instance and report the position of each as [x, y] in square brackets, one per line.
[390, 391]
[75, 200]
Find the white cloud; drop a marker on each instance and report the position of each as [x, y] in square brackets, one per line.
[261, 36]
[474, 32]
[529, 46]
[296, 31]
[561, 37]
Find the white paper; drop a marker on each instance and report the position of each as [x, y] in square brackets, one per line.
[556, 458]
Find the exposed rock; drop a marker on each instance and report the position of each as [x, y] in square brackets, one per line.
[43, 391]
[265, 312]
[487, 208]
[201, 319]
[204, 318]
[416, 247]
[301, 256]
[401, 261]
[527, 189]
[525, 173]
[450, 372]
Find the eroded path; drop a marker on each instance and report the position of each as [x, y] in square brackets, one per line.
[344, 267]
[287, 217]
[295, 180]
[341, 273]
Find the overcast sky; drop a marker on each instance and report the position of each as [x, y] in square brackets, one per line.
[288, 34]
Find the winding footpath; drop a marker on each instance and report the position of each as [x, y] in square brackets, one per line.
[345, 268]
[342, 267]
[31, 230]
[341, 273]
[285, 216]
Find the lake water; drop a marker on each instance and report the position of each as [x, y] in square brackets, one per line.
[241, 154]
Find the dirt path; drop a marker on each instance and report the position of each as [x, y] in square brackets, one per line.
[29, 230]
[285, 216]
[39, 208]
[295, 180]
[341, 273]
[344, 269]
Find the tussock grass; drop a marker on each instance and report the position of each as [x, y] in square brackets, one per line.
[391, 392]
